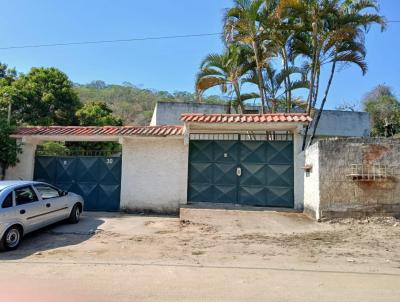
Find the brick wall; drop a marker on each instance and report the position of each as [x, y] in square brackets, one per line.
[331, 191]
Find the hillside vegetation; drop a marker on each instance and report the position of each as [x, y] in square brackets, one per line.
[132, 104]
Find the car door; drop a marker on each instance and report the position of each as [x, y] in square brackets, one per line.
[7, 212]
[29, 208]
[55, 204]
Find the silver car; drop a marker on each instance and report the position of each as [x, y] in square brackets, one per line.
[26, 206]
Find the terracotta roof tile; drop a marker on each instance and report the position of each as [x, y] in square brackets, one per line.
[101, 131]
[246, 118]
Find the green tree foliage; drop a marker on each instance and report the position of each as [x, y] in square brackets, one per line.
[52, 148]
[384, 109]
[7, 77]
[97, 114]
[315, 35]
[226, 71]
[44, 96]
[9, 148]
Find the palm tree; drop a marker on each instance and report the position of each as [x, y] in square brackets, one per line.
[345, 42]
[277, 87]
[226, 71]
[279, 29]
[242, 25]
[329, 32]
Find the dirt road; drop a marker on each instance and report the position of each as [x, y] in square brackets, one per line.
[235, 256]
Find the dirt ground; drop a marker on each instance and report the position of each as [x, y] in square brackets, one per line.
[214, 256]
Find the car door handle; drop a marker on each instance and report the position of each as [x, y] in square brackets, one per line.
[48, 205]
[22, 212]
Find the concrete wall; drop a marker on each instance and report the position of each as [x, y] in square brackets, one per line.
[170, 113]
[311, 182]
[154, 174]
[344, 124]
[25, 168]
[298, 171]
[333, 123]
[330, 192]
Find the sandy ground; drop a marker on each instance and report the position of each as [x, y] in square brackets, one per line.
[214, 256]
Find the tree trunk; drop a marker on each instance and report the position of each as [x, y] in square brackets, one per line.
[3, 171]
[316, 89]
[287, 81]
[274, 104]
[259, 76]
[323, 101]
[239, 97]
[315, 57]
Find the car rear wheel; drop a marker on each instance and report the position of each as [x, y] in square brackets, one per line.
[75, 215]
[12, 238]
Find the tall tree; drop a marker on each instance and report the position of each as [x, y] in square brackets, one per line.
[9, 148]
[330, 32]
[384, 109]
[226, 71]
[7, 77]
[277, 86]
[242, 25]
[344, 42]
[45, 96]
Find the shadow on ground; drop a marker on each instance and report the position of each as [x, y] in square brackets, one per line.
[58, 235]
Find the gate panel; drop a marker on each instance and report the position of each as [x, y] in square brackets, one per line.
[252, 183]
[212, 171]
[109, 183]
[225, 159]
[45, 169]
[280, 174]
[96, 179]
[265, 164]
[65, 170]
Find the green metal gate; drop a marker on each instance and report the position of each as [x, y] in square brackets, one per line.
[249, 170]
[96, 178]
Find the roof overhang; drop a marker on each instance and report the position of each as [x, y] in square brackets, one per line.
[95, 134]
[245, 122]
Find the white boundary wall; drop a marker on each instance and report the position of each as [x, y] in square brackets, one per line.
[154, 174]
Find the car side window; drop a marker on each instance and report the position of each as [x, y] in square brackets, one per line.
[47, 192]
[8, 202]
[25, 195]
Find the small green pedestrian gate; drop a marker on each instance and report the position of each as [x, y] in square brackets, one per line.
[245, 169]
[96, 178]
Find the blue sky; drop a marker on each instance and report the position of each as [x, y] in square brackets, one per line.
[165, 64]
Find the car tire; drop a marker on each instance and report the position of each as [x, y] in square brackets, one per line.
[75, 215]
[11, 238]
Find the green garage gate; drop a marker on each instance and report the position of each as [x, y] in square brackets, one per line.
[244, 169]
[96, 178]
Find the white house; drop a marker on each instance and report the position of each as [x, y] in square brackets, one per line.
[218, 158]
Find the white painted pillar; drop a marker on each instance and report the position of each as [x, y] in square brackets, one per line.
[299, 160]
[25, 167]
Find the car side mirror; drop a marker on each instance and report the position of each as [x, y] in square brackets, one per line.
[64, 193]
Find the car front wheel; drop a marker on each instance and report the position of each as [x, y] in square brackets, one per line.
[12, 238]
[75, 214]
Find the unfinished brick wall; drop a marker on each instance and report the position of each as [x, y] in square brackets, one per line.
[343, 194]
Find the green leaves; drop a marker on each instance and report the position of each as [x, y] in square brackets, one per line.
[97, 114]
[384, 109]
[226, 71]
[9, 148]
[44, 96]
